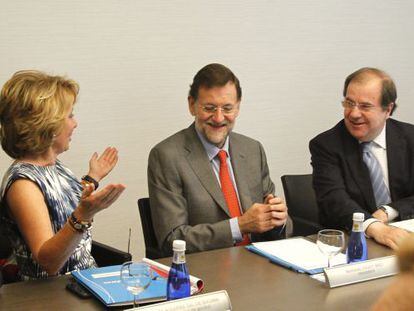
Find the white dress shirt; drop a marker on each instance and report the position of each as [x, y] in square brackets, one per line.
[212, 152]
[379, 149]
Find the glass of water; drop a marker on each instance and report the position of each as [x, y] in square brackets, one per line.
[136, 276]
[330, 242]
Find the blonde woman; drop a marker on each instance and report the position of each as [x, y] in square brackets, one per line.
[45, 209]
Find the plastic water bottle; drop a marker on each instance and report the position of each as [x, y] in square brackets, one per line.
[357, 244]
[178, 284]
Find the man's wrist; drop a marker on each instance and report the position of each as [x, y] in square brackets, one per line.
[368, 222]
[382, 208]
[374, 227]
[391, 212]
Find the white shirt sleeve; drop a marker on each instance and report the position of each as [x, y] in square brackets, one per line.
[235, 230]
[391, 212]
[367, 223]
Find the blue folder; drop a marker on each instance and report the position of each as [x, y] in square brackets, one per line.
[107, 287]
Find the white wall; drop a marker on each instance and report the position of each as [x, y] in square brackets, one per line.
[135, 60]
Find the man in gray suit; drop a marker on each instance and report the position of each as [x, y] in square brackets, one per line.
[186, 178]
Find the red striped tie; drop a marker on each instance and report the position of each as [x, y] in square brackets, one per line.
[229, 192]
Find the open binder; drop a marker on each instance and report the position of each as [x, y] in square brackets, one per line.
[297, 254]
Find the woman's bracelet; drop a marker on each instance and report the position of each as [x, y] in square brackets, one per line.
[78, 225]
[91, 180]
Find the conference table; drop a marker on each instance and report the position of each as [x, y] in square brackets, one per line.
[252, 282]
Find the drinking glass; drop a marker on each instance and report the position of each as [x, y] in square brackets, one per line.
[136, 276]
[330, 242]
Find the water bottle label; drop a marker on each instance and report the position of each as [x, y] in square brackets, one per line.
[357, 227]
[179, 259]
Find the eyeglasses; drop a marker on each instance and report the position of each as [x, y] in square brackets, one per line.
[226, 109]
[347, 104]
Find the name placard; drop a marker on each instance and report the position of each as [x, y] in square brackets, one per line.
[361, 271]
[214, 301]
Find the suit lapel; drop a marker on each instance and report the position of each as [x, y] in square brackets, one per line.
[239, 164]
[359, 170]
[199, 162]
[396, 157]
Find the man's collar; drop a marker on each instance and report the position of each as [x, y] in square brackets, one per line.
[380, 139]
[211, 149]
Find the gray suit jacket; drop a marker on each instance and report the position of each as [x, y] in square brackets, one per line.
[185, 196]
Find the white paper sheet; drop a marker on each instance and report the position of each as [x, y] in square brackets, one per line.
[300, 252]
[319, 277]
[404, 224]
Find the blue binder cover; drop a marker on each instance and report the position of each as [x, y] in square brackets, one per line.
[283, 263]
[105, 284]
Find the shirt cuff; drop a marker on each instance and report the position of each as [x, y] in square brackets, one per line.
[392, 213]
[367, 223]
[235, 230]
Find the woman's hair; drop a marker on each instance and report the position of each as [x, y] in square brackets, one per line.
[33, 107]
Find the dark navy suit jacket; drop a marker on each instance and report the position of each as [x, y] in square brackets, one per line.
[341, 179]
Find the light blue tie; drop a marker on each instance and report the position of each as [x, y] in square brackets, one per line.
[381, 192]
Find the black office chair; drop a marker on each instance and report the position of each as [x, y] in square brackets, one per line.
[301, 201]
[9, 272]
[152, 250]
[106, 255]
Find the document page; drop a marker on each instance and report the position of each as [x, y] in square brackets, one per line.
[300, 252]
[404, 224]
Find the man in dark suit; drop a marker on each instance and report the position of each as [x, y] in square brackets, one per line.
[365, 163]
[207, 185]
